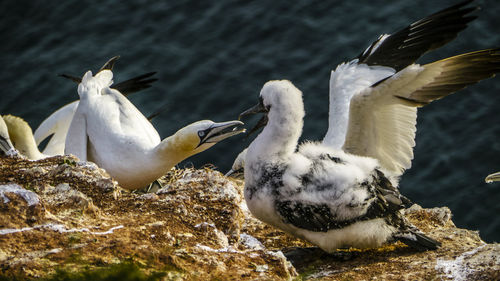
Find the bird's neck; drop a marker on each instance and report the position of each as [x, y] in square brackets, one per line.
[169, 152]
[280, 137]
[25, 143]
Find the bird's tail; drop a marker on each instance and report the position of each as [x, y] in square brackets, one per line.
[417, 240]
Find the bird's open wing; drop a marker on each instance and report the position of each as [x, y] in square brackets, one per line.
[135, 84]
[382, 118]
[405, 46]
[387, 55]
[57, 126]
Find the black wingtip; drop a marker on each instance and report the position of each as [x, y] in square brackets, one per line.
[110, 63]
[405, 46]
[419, 241]
[135, 84]
[70, 77]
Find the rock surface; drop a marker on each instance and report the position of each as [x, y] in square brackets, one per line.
[62, 214]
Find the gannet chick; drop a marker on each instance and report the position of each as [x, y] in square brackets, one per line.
[238, 166]
[493, 177]
[320, 193]
[6, 145]
[110, 131]
[57, 124]
[325, 196]
[22, 137]
[389, 54]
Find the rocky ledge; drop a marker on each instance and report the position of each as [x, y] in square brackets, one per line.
[63, 216]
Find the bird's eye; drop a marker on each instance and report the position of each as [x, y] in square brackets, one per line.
[201, 134]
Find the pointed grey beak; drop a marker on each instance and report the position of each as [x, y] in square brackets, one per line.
[5, 145]
[493, 177]
[258, 108]
[229, 173]
[221, 131]
[7, 148]
[235, 173]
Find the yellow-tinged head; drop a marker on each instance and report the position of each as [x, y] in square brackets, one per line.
[197, 137]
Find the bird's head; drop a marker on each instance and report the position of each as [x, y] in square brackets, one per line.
[202, 135]
[280, 95]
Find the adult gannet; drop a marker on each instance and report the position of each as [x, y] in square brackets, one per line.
[108, 130]
[335, 198]
[21, 136]
[492, 177]
[5, 144]
[389, 54]
[57, 124]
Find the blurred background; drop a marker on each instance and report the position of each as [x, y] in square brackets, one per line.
[213, 58]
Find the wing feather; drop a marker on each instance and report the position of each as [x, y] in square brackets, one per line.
[405, 46]
[382, 118]
[387, 55]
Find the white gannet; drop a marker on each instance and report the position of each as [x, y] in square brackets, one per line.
[336, 198]
[21, 136]
[389, 54]
[6, 146]
[110, 131]
[57, 124]
[492, 177]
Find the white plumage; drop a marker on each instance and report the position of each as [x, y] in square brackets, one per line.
[365, 122]
[324, 195]
[57, 124]
[109, 130]
[321, 193]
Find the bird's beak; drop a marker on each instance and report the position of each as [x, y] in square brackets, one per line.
[259, 108]
[109, 64]
[230, 172]
[234, 173]
[7, 148]
[221, 131]
[493, 177]
[5, 145]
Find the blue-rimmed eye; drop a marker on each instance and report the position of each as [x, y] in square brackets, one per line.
[201, 134]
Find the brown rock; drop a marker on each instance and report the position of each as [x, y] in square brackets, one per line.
[59, 212]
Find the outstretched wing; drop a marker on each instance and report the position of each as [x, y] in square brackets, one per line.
[405, 46]
[387, 55]
[135, 84]
[382, 118]
[57, 126]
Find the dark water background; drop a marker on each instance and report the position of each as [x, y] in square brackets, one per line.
[212, 58]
